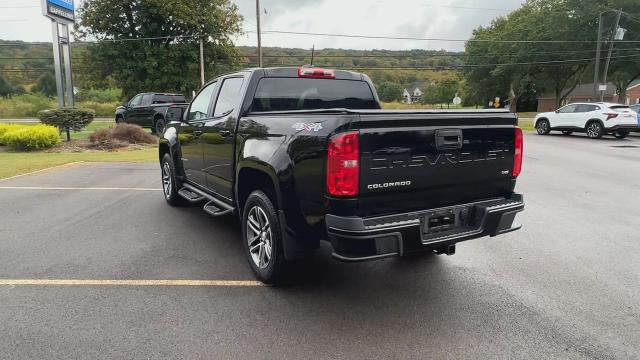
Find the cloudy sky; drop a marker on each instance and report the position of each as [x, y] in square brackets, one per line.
[445, 19]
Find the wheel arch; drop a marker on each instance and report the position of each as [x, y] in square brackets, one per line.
[540, 119]
[593, 120]
[253, 177]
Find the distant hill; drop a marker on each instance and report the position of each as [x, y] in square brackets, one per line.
[22, 62]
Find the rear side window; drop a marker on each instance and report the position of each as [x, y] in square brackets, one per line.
[619, 108]
[229, 98]
[166, 99]
[282, 94]
[146, 100]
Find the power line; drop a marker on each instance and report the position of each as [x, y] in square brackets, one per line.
[435, 39]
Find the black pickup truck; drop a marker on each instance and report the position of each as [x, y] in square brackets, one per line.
[150, 110]
[304, 155]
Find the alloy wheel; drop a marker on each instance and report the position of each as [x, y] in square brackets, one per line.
[166, 180]
[542, 127]
[593, 130]
[259, 237]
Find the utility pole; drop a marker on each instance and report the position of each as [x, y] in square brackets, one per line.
[606, 66]
[596, 73]
[259, 33]
[201, 60]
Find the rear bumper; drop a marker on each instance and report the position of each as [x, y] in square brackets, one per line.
[361, 239]
[627, 127]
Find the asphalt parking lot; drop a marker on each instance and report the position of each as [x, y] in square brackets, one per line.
[566, 286]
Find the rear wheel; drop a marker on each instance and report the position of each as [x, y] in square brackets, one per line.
[621, 134]
[262, 238]
[543, 127]
[595, 130]
[567, 132]
[170, 184]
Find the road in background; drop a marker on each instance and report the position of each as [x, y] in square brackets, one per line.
[566, 286]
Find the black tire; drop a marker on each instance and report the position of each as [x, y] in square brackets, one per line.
[543, 127]
[567, 132]
[261, 237]
[594, 130]
[170, 183]
[621, 134]
[158, 126]
[119, 119]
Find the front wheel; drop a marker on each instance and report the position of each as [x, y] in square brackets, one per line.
[159, 126]
[621, 134]
[543, 127]
[262, 238]
[119, 120]
[595, 130]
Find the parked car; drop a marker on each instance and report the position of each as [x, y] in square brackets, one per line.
[596, 119]
[636, 108]
[150, 110]
[304, 155]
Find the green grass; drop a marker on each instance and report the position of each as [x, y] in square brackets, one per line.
[15, 163]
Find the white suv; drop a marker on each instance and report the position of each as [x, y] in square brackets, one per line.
[596, 119]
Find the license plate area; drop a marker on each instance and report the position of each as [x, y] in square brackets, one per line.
[445, 222]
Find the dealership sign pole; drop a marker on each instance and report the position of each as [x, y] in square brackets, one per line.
[61, 13]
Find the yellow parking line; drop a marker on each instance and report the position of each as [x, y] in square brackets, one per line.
[72, 282]
[75, 188]
[45, 169]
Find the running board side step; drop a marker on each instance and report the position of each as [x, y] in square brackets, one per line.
[214, 206]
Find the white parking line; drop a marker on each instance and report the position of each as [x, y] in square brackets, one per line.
[75, 188]
[72, 282]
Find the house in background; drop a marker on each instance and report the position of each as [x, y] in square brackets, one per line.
[412, 95]
[582, 93]
[633, 93]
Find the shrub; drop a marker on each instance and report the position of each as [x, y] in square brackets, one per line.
[100, 95]
[120, 136]
[26, 105]
[133, 134]
[107, 109]
[67, 119]
[5, 128]
[31, 137]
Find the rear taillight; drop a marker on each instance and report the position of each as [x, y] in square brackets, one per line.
[517, 155]
[611, 115]
[342, 164]
[316, 73]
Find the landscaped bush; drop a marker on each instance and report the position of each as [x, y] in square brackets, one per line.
[120, 136]
[67, 119]
[5, 128]
[31, 137]
[133, 134]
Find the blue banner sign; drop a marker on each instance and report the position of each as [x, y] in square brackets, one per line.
[59, 10]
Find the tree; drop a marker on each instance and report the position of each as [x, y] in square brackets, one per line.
[441, 93]
[511, 68]
[46, 84]
[388, 92]
[6, 89]
[168, 60]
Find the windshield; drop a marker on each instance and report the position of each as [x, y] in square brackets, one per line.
[282, 94]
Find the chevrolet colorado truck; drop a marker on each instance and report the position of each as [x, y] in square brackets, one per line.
[150, 110]
[303, 155]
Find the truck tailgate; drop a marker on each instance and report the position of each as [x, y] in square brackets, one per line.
[425, 160]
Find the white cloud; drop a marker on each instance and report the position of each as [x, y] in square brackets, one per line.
[396, 18]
